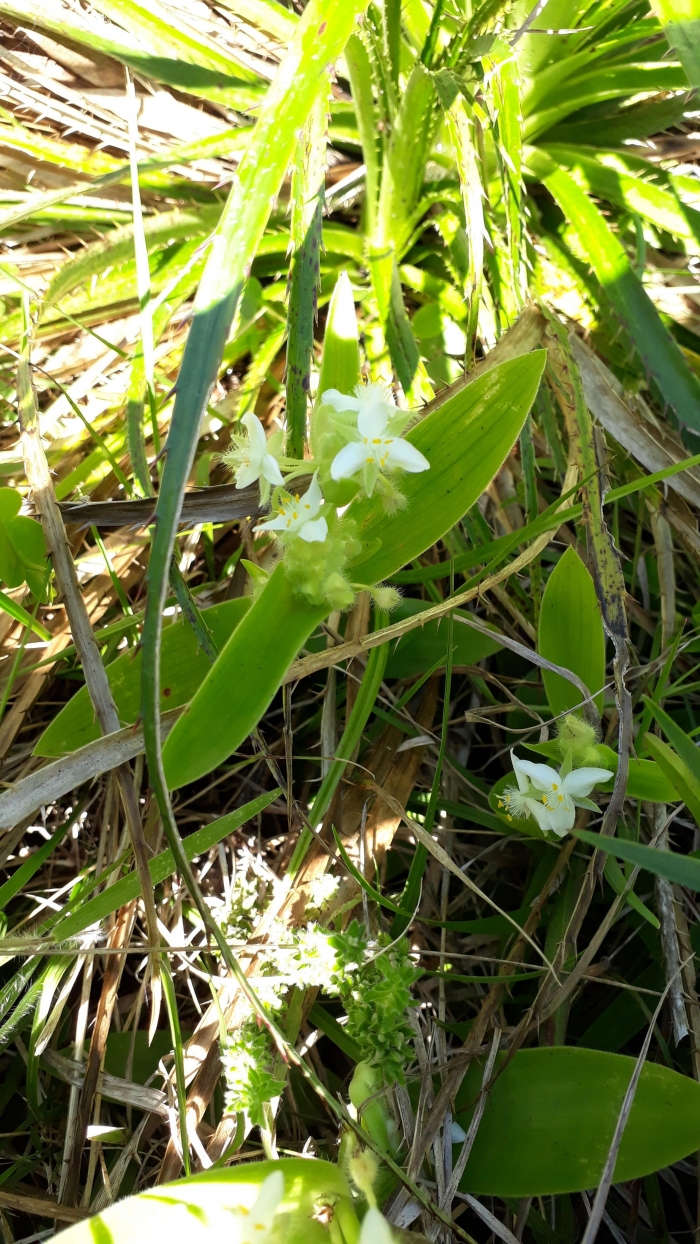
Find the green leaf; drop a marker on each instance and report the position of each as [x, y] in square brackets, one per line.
[319, 38]
[659, 353]
[183, 668]
[687, 752]
[10, 606]
[610, 82]
[207, 1199]
[362, 881]
[550, 1117]
[682, 869]
[640, 120]
[606, 178]
[340, 367]
[160, 867]
[617, 880]
[684, 783]
[330, 1027]
[230, 84]
[253, 662]
[425, 648]
[22, 545]
[23, 875]
[465, 440]
[681, 21]
[571, 633]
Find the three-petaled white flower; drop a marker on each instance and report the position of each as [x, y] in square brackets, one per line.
[549, 796]
[296, 516]
[252, 459]
[373, 450]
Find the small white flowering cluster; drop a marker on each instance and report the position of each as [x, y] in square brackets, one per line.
[373, 987]
[357, 441]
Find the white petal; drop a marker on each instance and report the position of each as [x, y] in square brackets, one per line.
[523, 783]
[541, 776]
[247, 475]
[375, 1229]
[313, 497]
[348, 461]
[404, 454]
[270, 469]
[374, 412]
[315, 531]
[582, 781]
[540, 814]
[562, 819]
[339, 401]
[275, 524]
[458, 1134]
[256, 433]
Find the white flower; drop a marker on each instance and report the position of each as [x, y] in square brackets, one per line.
[251, 458]
[373, 451]
[375, 1229]
[254, 1225]
[552, 797]
[296, 516]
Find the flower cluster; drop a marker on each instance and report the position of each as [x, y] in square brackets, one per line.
[372, 980]
[549, 795]
[249, 1064]
[375, 996]
[358, 447]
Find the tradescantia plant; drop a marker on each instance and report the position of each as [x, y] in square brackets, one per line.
[369, 330]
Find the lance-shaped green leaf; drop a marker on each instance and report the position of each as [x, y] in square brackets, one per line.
[183, 666]
[681, 22]
[596, 174]
[683, 781]
[227, 82]
[661, 356]
[602, 84]
[459, 127]
[571, 633]
[307, 213]
[551, 1114]
[682, 869]
[465, 440]
[403, 171]
[319, 38]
